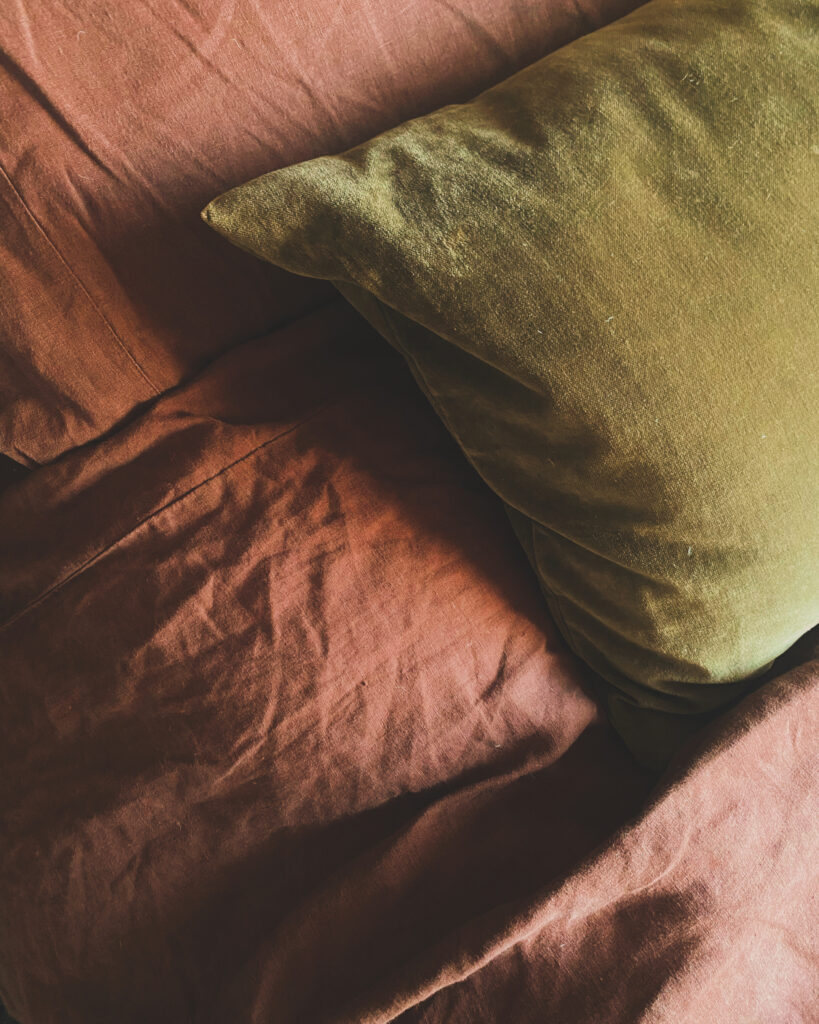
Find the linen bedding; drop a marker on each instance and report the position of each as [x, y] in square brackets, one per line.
[339, 765]
[287, 733]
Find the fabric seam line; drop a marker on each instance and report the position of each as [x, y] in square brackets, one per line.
[152, 515]
[16, 193]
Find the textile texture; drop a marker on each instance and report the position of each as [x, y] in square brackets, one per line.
[270, 679]
[288, 736]
[286, 730]
[604, 273]
[120, 122]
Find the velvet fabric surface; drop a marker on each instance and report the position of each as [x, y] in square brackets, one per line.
[604, 273]
[121, 121]
[288, 736]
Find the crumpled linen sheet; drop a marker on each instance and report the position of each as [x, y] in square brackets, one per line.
[287, 736]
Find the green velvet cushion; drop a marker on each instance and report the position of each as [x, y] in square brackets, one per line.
[604, 273]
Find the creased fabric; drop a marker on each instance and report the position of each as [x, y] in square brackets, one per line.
[286, 733]
[270, 654]
[288, 736]
[120, 122]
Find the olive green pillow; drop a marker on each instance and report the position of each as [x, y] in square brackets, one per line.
[604, 273]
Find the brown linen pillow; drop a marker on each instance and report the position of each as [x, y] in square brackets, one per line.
[604, 274]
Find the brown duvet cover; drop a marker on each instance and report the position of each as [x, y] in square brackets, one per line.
[288, 736]
[286, 732]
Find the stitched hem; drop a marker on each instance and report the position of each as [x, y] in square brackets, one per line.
[67, 267]
[55, 587]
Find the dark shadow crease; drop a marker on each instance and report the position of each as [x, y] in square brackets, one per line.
[10, 473]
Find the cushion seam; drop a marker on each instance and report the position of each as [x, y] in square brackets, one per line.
[552, 599]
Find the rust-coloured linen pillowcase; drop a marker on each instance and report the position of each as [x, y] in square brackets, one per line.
[604, 274]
